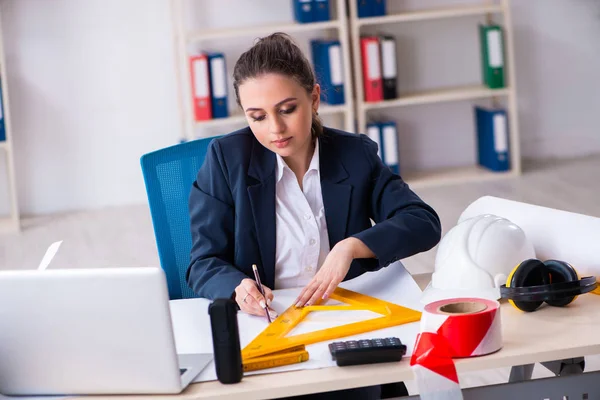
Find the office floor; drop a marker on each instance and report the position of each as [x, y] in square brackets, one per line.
[123, 236]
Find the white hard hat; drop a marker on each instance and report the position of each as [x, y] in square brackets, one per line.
[475, 258]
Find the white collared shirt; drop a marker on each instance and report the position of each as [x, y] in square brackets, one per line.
[302, 238]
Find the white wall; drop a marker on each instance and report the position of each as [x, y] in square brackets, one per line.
[558, 59]
[93, 88]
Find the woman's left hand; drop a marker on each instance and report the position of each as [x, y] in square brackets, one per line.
[332, 272]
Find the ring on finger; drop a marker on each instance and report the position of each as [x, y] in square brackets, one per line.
[244, 299]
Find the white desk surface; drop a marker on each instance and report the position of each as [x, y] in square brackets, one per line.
[550, 333]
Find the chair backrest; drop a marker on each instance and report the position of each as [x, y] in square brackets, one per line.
[169, 174]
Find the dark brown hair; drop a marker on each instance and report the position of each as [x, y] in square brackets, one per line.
[278, 54]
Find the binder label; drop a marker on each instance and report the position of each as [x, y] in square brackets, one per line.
[373, 60]
[335, 62]
[373, 133]
[217, 67]
[388, 55]
[494, 40]
[391, 145]
[200, 75]
[306, 5]
[500, 134]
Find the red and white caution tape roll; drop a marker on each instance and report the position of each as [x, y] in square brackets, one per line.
[453, 328]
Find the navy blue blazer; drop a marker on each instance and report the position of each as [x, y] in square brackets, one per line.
[232, 210]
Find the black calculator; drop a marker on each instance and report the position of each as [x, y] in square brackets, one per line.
[367, 351]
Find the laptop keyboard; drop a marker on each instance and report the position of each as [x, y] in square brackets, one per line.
[182, 371]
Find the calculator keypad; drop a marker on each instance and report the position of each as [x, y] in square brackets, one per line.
[367, 351]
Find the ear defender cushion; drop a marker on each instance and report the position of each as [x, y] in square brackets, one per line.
[530, 272]
[505, 288]
[561, 271]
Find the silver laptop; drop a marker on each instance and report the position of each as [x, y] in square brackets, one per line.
[90, 331]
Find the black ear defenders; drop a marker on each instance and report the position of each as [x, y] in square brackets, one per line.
[533, 282]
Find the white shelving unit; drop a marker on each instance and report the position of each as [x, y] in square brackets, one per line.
[10, 222]
[449, 175]
[184, 39]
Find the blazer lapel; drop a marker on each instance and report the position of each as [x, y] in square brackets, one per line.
[336, 195]
[262, 202]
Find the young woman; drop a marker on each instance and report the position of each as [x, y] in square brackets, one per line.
[294, 197]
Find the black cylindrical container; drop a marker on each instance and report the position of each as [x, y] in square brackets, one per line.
[226, 340]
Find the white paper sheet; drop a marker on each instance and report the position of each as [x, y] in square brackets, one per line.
[49, 256]
[191, 322]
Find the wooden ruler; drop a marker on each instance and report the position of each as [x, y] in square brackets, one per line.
[274, 338]
[290, 356]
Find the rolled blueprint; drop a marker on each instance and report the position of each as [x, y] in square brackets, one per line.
[555, 234]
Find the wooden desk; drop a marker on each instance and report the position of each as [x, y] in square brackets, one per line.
[545, 335]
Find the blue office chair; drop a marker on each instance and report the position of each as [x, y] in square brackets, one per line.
[168, 175]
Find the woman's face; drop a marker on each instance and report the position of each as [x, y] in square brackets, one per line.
[279, 112]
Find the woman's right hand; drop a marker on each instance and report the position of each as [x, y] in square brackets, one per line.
[251, 301]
